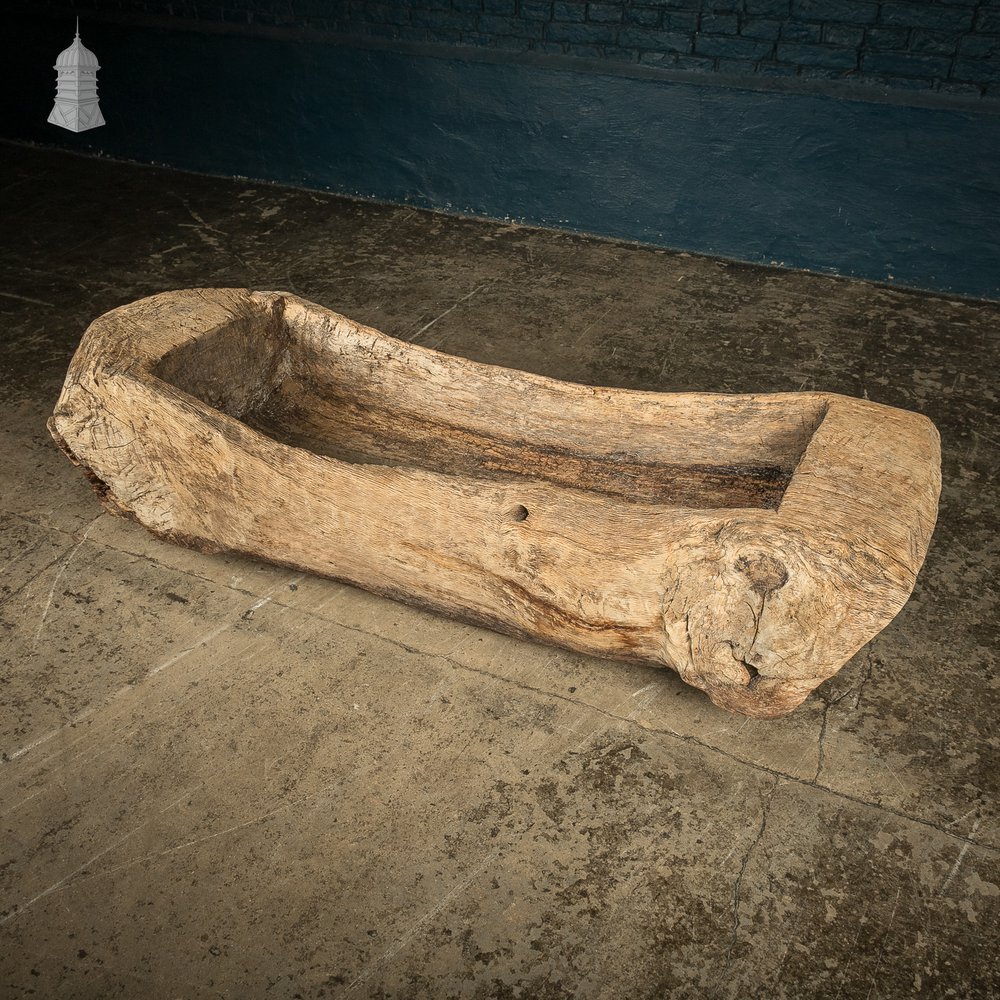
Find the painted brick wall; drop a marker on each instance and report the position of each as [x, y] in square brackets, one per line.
[901, 188]
[949, 46]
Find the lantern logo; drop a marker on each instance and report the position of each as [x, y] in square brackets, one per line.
[76, 106]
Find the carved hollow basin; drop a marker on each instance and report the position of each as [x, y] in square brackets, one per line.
[754, 543]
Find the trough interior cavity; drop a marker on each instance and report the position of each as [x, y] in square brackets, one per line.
[342, 391]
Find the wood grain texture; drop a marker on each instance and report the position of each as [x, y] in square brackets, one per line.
[754, 542]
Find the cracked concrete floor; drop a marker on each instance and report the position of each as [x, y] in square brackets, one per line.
[221, 779]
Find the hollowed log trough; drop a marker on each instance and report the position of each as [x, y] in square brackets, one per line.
[754, 543]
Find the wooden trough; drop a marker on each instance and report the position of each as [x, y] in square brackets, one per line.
[753, 543]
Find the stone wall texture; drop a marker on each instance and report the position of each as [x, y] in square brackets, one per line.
[929, 45]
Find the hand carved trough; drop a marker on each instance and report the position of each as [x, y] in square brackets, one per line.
[754, 543]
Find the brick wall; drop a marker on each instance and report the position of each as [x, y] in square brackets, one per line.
[903, 188]
[950, 46]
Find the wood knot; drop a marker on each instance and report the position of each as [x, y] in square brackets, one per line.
[764, 572]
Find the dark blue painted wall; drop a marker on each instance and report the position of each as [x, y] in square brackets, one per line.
[943, 46]
[880, 191]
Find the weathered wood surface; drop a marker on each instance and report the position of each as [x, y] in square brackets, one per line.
[754, 543]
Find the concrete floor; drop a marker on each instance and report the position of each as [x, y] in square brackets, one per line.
[220, 779]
